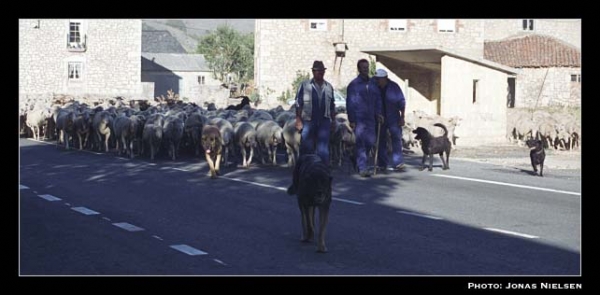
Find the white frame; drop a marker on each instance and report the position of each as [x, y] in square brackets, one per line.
[397, 25]
[446, 25]
[320, 25]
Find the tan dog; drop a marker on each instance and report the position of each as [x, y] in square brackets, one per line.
[312, 185]
[212, 144]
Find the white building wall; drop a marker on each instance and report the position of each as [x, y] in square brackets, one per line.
[111, 63]
[284, 46]
[568, 30]
[189, 86]
[483, 121]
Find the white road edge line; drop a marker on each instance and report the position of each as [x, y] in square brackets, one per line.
[85, 211]
[188, 250]
[511, 233]
[157, 237]
[49, 198]
[284, 189]
[509, 184]
[127, 226]
[219, 261]
[23, 187]
[420, 215]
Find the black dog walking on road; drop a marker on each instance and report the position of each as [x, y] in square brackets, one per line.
[434, 145]
[537, 154]
[312, 185]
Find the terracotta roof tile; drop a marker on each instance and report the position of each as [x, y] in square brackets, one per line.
[532, 51]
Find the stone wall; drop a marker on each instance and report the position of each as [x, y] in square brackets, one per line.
[538, 87]
[283, 47]
[111, 61]
[568, 30]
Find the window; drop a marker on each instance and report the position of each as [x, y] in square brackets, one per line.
[397, 25]
[527, 25]
[75, 71]
[576, 78]
[446, 25]
[76, 36]
[201, 80]
[475, 88]
[317, 25]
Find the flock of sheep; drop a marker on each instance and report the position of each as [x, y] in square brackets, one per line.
[150, 128]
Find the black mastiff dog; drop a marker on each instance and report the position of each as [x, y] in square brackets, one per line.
[434, 145]
[312, 185]
[537, 154]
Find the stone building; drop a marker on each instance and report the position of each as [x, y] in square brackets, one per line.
[439, 63]
[549, 70]
[185, 74]
[99, 57]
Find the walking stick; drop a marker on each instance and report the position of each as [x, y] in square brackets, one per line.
[376, 149]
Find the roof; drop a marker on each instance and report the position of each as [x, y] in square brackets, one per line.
[160, 41]
[174, 62]
[430, 57]
[532, 50]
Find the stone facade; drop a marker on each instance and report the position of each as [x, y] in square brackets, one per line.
[538, 87]
[284, 46]
[568, 30]
[111, 60]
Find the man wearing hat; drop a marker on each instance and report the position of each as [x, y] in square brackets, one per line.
[364, 110]
[315, 110]
[392, 108]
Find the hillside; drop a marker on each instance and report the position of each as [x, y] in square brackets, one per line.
[187, 31]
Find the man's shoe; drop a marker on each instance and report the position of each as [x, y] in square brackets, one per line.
[399, 167]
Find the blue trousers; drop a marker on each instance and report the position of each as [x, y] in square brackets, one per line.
[396, 134]
[315, 138]
[365, 133]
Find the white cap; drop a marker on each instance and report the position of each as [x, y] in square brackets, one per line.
[380, 73]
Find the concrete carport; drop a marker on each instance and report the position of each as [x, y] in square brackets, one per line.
[440, 81]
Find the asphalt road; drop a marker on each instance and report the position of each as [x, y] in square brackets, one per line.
[86, 213]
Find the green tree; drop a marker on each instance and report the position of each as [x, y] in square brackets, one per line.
[372, 66]
[228, 51]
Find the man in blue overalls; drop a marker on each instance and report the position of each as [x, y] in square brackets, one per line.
[315, 113]
[363, 110]
[392, 107]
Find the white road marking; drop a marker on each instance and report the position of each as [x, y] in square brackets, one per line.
[23, 187]
[511, 233]
[49, 197]
[285, 189]
[509, 184]
[188, 250]
[219, 261]
[184, 170]
[68, 204]
[128, 227]
[41, 141]
[157, 237]
[106, 218]
[347, 201]
[86, 211]
[255, 183]
[420, 215]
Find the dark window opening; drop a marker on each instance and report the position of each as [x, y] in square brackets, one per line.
[475, 86]
[528, 25]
